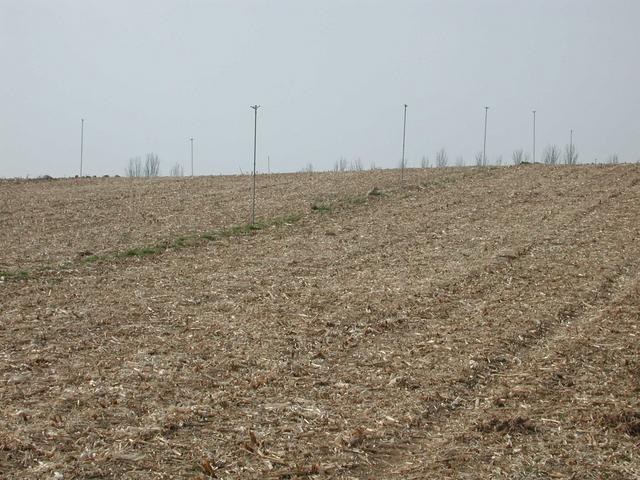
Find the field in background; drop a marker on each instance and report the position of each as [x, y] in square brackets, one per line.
[52, 222]
[477, 323]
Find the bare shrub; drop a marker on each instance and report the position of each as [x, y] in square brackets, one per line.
[442, 159]
[551, 155]
[613, 159]
[151, 165]
[570, 155]
[134, 169]
[424, 162]
[517, 156]
[340, 165]
[479, 159]
[176, 171]
[356, 165]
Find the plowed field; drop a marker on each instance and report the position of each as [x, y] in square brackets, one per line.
[473, 323]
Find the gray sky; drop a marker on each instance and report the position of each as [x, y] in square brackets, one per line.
[331, 77]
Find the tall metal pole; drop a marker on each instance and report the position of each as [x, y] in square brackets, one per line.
[191, 156]
[255, 137]
[484, 147]
[534, 136]
[404, 136]
[81, 143]
[571, 147]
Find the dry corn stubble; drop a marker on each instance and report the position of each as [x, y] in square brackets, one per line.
[479, 323]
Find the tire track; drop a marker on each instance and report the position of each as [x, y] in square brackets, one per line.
[482, 372]
[491, 361]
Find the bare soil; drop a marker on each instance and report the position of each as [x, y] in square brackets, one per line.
[475, 323]
[49, 223]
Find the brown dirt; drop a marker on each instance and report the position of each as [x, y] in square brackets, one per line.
[52, 222]
[475, 324]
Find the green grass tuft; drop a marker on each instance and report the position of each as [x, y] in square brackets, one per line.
[288, 219]
[321, 207]
[141, 252]
[376, 192]
[179, 242]
[16, 275]
[354, 200]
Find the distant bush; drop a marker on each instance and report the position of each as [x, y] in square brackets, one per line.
[150, 167]
[134, 169]
[551, 155]
[176, 171]
[517, 156]
[356, 165]
[442, 159]
[570, 155]
[340, 165]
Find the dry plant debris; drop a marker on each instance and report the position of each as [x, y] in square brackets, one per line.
[478, 323]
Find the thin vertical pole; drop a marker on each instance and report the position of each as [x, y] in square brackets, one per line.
[571, 147]
[191, 156]
[255, 138]
[534, 136]
[81, 143]
[484, 147]
[404, 136]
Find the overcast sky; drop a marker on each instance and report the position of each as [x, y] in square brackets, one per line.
[331, 76]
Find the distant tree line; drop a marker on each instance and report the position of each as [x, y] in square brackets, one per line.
[551, 155]
[149, 168]
[176, 171]
[342, 165]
